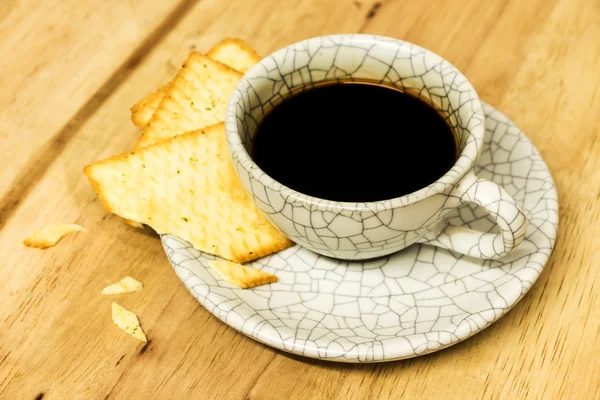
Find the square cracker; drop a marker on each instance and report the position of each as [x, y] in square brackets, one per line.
[187, 186]
[233, 52]
[196, 98]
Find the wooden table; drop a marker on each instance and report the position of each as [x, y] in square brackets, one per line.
[70, 70]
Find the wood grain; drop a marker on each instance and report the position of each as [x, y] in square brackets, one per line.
[59, 74]
[73, 70]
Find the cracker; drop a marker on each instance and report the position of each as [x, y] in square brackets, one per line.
[196, 98]
[51, 235]
[241, 275]
[232, 52]
[187, 186]
[125, 285]
[143, 110]
[127, 321]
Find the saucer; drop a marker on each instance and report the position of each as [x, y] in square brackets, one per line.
[417, 301]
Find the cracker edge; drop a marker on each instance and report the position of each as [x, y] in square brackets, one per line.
[239, 257]
[160, 92]
[142, 106]
[193, 57]
[227, 40]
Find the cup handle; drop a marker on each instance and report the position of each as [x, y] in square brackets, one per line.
[501, 207]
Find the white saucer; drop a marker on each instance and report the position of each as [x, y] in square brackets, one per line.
[415, 302]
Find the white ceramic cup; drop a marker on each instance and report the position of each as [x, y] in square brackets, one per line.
[347, 230]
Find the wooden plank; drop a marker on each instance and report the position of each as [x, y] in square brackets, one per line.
[59, 64]
[47, 283]
[535, 60]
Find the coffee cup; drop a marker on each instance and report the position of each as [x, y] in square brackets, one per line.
[356, 230]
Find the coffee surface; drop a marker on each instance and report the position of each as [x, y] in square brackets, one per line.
[355, 142]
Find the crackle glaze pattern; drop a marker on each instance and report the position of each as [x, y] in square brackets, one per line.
[419, 300]
[366, 230]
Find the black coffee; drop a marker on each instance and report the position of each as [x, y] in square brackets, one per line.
[354, 141]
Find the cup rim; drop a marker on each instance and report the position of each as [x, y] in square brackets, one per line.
[464, 163]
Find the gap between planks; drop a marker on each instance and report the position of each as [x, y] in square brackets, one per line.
[41, 161]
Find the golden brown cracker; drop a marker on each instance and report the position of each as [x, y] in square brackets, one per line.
[142, 111]
[241, 275]
[127, 321]
[51, 235]
[187, 186]
[125, 285]
[233, 52]
[196, 98]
